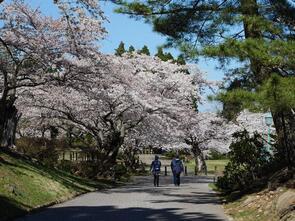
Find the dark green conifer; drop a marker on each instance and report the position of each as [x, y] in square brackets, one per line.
[180, 60]
[131, 49]
[121, 49]
[145, 50]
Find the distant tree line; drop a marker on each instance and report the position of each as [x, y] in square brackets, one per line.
[164, 56]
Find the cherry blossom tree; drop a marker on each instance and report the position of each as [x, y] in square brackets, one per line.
[36, 50]
[113, 100]
[209, 131]
[199, 129]
[199, 132]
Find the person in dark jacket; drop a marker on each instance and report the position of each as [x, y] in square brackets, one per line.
[177, 169]
[156, 169]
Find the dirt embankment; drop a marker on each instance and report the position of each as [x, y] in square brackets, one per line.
[275, 203]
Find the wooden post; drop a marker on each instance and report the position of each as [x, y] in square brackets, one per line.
[165, 170]
[63, 155]
[185, 170]
[196, 170]
[76, 156]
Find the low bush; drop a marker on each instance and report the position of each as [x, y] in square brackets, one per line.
[121, 172]
[216, 155]
[65, 165]
[129, 157]
[48, 157]
[85, 169]
[183, 153]
[41, 149]
[249, 163]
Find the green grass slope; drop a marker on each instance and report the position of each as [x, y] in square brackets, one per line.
[25, 186]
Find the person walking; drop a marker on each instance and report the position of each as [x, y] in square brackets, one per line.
[177, 169]
[156, 169]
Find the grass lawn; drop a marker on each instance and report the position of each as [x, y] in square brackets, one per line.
[211, 165]
[218, 164]
[25, 186]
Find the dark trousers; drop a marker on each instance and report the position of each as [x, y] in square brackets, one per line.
[176, 179]
[156, 179]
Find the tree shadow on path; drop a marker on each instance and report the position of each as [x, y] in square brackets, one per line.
[110, 213]
[149, 209]
[192, 198]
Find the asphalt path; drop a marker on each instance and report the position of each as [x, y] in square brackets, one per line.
[141, 201]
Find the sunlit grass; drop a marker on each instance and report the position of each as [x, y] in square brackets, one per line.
[25, 186]
[213, 166]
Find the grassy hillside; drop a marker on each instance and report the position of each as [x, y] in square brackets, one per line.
[25, 185]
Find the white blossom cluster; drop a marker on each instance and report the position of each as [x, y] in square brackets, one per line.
[37, 49]
[129, 93]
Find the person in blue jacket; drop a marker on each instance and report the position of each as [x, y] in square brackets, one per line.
[156, 169]
[177, 169]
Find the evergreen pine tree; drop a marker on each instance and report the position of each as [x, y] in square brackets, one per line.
[164, 56]
[169, 56]
[131, 49]
[121, 49]
[145, 50]
[180, 60]
[160, 54]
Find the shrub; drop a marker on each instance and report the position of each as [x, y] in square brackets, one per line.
[66, 165]
[120, 172]
[48, 157]
[249, 161]
[183, 153]
[129, 157]
[157, 150]
[216, 155]
[41, 149]
[85, 169]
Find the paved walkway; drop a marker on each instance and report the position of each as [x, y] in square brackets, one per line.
[140, 201]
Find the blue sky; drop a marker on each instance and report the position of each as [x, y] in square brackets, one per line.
[136, 33]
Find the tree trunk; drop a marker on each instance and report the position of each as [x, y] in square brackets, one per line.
[196, 165]
[251, 30]
[199, 158]
[8, 123]
[203, 166]
[285, 127]
[111, 148]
